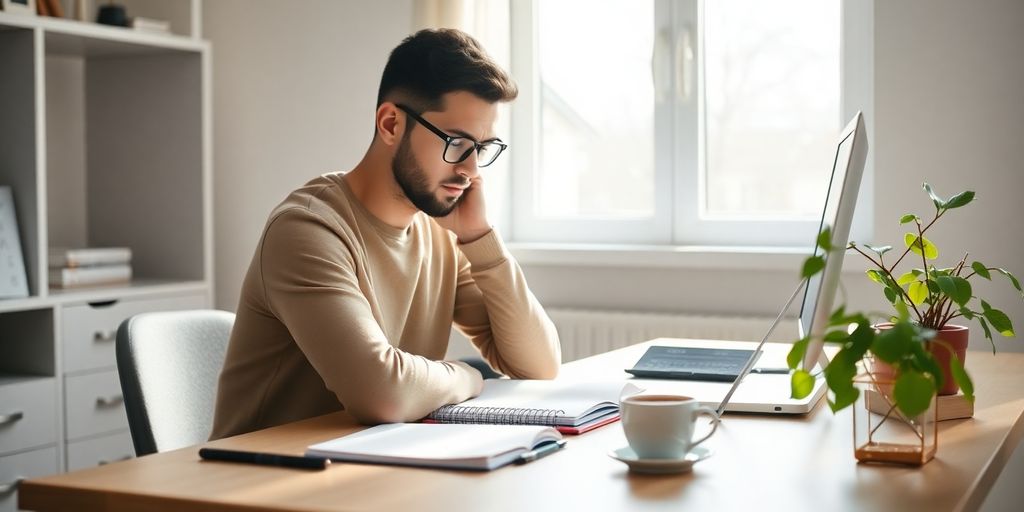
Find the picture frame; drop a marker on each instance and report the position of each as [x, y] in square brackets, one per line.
[13, 280]
[24, 7]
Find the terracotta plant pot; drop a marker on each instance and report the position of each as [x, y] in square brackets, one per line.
[952, 339]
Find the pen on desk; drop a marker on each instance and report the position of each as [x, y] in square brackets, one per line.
[766, 371]
[541, 452]
[267, 459]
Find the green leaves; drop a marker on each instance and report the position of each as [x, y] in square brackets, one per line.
[980, 269]
[913, 392]
[998, 319]
[907, 278]
[812, 266]
[910, 217]
[845, 397]
[960, 376]
[860, 340]
[876, 276]
[957, 288]
[879, 250]
[1013, 280]
[915, 243]
[961, 199]
[796, 354]
[891, 344]
[988, 333]
[918, 292]
[825, 239]
[801, 384]
[939, 202]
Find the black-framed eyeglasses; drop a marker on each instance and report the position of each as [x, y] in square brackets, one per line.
[458, 149]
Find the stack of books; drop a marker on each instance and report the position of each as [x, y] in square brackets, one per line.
[92, 266]
[151, 25]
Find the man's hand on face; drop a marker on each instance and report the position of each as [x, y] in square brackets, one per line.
[469, 218]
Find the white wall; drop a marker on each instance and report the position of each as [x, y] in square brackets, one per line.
[294, 87]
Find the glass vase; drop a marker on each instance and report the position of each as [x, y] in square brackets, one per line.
[881, 432]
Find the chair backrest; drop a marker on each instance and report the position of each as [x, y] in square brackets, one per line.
[169, 363]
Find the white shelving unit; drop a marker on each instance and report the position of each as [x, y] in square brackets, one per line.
[105, 141]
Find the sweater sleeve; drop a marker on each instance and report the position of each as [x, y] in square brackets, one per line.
[310, 283]
[495, 309]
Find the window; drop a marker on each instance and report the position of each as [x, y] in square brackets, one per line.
[681, 122]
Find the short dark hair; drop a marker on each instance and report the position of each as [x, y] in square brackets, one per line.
[433, 62]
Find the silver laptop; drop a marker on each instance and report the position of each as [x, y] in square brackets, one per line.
[770, 392]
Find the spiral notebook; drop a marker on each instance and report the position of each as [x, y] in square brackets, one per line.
[476, 447]
[570, 407]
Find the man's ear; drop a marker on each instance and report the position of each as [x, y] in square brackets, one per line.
[389, 124]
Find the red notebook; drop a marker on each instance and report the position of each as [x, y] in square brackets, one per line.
[570, 407]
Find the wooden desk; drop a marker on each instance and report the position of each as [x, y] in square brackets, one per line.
[803, 463]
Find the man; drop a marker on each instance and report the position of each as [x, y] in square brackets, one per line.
[359, 277]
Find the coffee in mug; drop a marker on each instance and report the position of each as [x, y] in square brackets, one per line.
[662, 426]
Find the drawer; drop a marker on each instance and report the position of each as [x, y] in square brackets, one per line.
[99, 451]
[28, 413]
[88, 332]
[14, 468]
[93, 404]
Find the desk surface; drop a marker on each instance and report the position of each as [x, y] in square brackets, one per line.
[801, 463]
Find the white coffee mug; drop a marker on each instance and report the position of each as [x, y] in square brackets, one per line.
[662, 426]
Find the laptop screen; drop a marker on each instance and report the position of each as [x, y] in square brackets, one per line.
[835, 189]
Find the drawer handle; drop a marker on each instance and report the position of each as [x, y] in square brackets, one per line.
[11, 418]
[104, 462]
[8, 488]
[108, 335]
[109, 401]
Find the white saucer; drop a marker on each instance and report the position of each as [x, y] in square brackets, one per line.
[660, 466]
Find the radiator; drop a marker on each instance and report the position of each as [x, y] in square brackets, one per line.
[586, 332]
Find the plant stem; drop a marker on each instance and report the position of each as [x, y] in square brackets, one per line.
[946, 317]
[889, 274]
[937, 215]
[920, 242]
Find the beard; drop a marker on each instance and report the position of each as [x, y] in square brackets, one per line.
[415, 186]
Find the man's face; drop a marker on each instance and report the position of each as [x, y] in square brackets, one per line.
[432, 185]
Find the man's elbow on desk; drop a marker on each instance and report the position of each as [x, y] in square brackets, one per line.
[536, 372]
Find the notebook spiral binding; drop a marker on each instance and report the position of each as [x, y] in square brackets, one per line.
[495, 415]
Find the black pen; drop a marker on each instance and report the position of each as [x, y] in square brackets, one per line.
[267, 459]
[765, 371]
[541, 452]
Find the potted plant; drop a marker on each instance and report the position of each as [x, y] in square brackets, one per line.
[917, 351]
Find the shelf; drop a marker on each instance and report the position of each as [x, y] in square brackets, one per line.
[138, 287]
[77, 38]
[6, 379]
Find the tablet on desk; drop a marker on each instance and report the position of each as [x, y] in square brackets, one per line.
[691, 363]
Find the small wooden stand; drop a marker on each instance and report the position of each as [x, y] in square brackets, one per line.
[949, 407]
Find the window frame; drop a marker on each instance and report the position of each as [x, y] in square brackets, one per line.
[677, 66]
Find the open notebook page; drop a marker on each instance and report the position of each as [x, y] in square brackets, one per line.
[440, 445]
[578, 401]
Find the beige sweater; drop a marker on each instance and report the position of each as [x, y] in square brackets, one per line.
[340, 310]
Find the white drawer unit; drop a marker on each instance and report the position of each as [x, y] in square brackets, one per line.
[89, 330]
[15, 468]
[93, 404]
[27, 413]
[100, 450]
